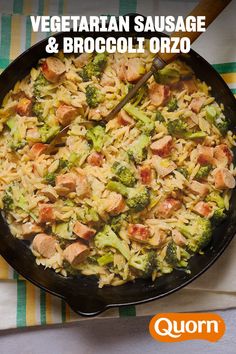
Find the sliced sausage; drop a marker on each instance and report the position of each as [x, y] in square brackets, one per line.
[50, 193]
[45, 245]
[138, 232]
[68, 180]
[82, 184]
[52, 69]
[205, 155]
[197, 103]
[83, 231]
[46, 213]
[203, 209]
[162, 147]
[198, 188]
[115, 203]
[135, 69]
[163, 166]
[76, 253]
[24, 107]
[178, 238]
[124, 118]
[223, 178]
[158, 94]
[223, 155]
[107, 80]
[95, 159]
[82, 60]
[120, 68]
[145, 173]
[29, 229]
[37, 149]
[167, 207]
[66, 114]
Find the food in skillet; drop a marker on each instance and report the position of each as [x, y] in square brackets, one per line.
[134, 197]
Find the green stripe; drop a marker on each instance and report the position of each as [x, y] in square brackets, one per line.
[127, 311]
[63, 311]
[5, 41]
[127, 7]
[18, 7]
[234, 91]
[15, 275]
[21, 304]
[28, 33]
[225, 67]
[40, 7]
[42, 307]
[60, 7]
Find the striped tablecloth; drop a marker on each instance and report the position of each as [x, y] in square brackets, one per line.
[21, 303]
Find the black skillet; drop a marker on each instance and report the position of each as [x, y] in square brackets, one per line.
[82, 293]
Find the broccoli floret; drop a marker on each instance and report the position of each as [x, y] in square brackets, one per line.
[17, 142]
[145, 263]
[7, 200]
[146, 124]
[117, 222]
[183, 171]
[124, 174]
[216, 197]
[39, 83]
[105, 259]
[17, 145]
[47, 133]
[50, 178]
[37, 110]
[138, 149]
[167, 75]
[108, 238]
[94, 67]
[218, 216]
[63, 164]
[140, 95]
[203, 172]
[179, 129]
[93, 96]
[97, 136]
[214, 116]
[137, 198]
[198, 233]
[172, 105]
[171, 254]
[159, 117]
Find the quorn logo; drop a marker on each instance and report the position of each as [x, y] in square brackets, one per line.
[177, 327]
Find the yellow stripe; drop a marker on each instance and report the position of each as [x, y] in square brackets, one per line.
[15, 48]
[46, 8]
[4, 269]
[27, 7]
[30, 304]
[49, 309]
[229, 78]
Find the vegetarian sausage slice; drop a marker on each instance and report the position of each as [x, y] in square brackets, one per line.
[223, 178]
[199, 188]
[82, 184]
[166, 208]
[205, 155]
[124, 118]
[162, 147]
[45, 245]
[145, 173]
[138, 232]
[29, 229]
[197, 103]
[223, 155]
[37, 149]
[95, 159]
[52, 69]
[135, 69]
[46, 213]
[82, 60]
[115, 203]
[83, 231]
[158, 94]
[66, 114]
[24, 107]
[68, 180]
[76, 253]
[203, 209]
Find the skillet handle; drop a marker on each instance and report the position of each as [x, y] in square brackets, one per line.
[209, 8]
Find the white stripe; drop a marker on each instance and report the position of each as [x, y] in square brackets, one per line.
[8, 304]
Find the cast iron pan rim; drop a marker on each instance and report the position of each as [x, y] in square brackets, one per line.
[106, 306]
